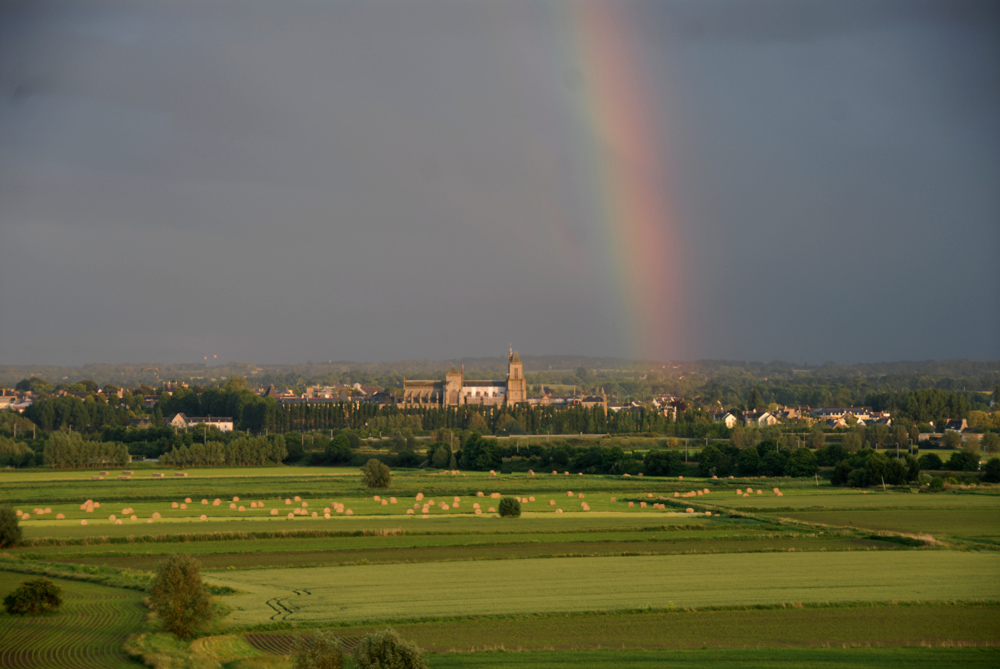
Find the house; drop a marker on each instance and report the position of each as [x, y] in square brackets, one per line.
[759, 418]
[956, 425]
[222, 424]
[725, 417]
[827, 413]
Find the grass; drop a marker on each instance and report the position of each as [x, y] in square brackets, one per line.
[88, 631]
[883, 625]
[958, 522]
[437, 590]
[888, 658]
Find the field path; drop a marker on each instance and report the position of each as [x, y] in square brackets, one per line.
[396, 591]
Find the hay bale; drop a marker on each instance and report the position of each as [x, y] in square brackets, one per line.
[640, 474]
[216, 502]
[580, 496]
[552, 502]
[348, 513]
[60, 516]
[759, 491]
[184, 506]
[700, 493]
[569, 493]
[290, 516]
[708, 513]
[392, 500]
[112, 517]
[118, 522]
[554, 472]
[689, 510]
[232, 505]
[314, 514]
[288, 501]
[149, 521]
[559, 511]
[480, 494]
[420, 496]
[204, 501]
[297, 498]
[377, 498]
[187, 500]
[242, 508]
[714, 476]
[478, 512]
[132, 517]
[492, 473]
[745, 495]
[456, 499]
[642, 505]
[492, 510]
[97, 505]
[680, 478]
[475, 505]
[174, 505]
[627, 476]
[305, 505]
[409, 512]
[96, 478]
[83, 522]
[614, 499]
[739, 491]
[631, 504]
[274, 512]
[677, 494]
[494, 495]
[156, 514]
[104, 473]
[706, 491]
[384, 502]
[531, 472]
[649, 495]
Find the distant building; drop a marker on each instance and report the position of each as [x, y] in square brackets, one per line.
[222, 424]
[957, 425]
[455, 390]
[759, 419]
[725, 417]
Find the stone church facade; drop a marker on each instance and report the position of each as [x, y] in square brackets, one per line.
[455, 390]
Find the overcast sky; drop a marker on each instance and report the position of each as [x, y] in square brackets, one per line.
[291, 181]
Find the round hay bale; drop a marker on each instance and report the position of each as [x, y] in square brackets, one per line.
[580, 496]
[420, 496]
[149, 521]
[759, 491]
[236, 499]
[204, 501]
[291, 515]
[384, 502]
[642, 505]
[60, 516]
[242, 508]
[492, 510]
[118, 522]
[614, 499]
[554, 472]
[288, 501]
[298, 499]
[480, 494]
[677, 494]
[305, 505]
[456, 499]
[187, 500]
[531, 472]
[492, 473]
[478, 512]
[377, 498]
[232, 505]
[627, 476]
[83, 522]
[156, 514]
[689, 510]
[174, 505]
[631, 504]
[552, 502]
[97, 505]
[475, 505]
[348, 513]
[216, 502]
[204, 517]
[392, 500]
[184, 506]
[708, 513]
[569, 493]
[314, 514]
[739, 492]
[409, 512]
[132, 517]
[274, 512]
[559, 511]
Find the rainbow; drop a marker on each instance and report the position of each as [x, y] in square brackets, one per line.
[619, 132]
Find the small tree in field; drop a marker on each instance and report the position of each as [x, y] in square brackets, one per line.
[179, 596]
[387, 650]
[10, 528]
[377, 474]
[319, 650]
[510, 507]
[37, 596]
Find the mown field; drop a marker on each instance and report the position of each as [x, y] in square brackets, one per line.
[88, 632]
[791, 577]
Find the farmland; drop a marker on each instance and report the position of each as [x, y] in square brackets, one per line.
[594, 562]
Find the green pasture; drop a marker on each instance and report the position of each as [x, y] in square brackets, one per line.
[955, 522]
[437, 589]
[926, 625]
[903, 658]
[88, 631]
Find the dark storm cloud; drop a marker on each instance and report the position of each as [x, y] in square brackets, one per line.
[285, 181]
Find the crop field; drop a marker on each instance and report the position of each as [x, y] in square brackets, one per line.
[594, 562]
[414, 591]
[88, 632]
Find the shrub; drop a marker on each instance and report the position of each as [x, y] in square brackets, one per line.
[10, 528]
[662, 463]
[179, 596]
[991, 472]
[387, 650]
[40, 595]
[930, 461]
[441, 457]
[377, 474]
[319, 650]
[510, 507]
[937, 483]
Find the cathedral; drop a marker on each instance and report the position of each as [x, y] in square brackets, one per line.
[455, 390]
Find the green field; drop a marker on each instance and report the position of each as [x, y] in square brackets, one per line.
[777, 578]
[414, 591]
[88, 632]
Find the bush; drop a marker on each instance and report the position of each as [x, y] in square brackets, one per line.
[991, 472]
[510, 507]
[377, 474]
[387, 650]
[930, 461]
[319, 650]
[40, 595]
[179, 596]
[662, 463]
[10, 528]
[937, 483]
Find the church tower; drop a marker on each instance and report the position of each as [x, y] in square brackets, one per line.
[517, 386]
